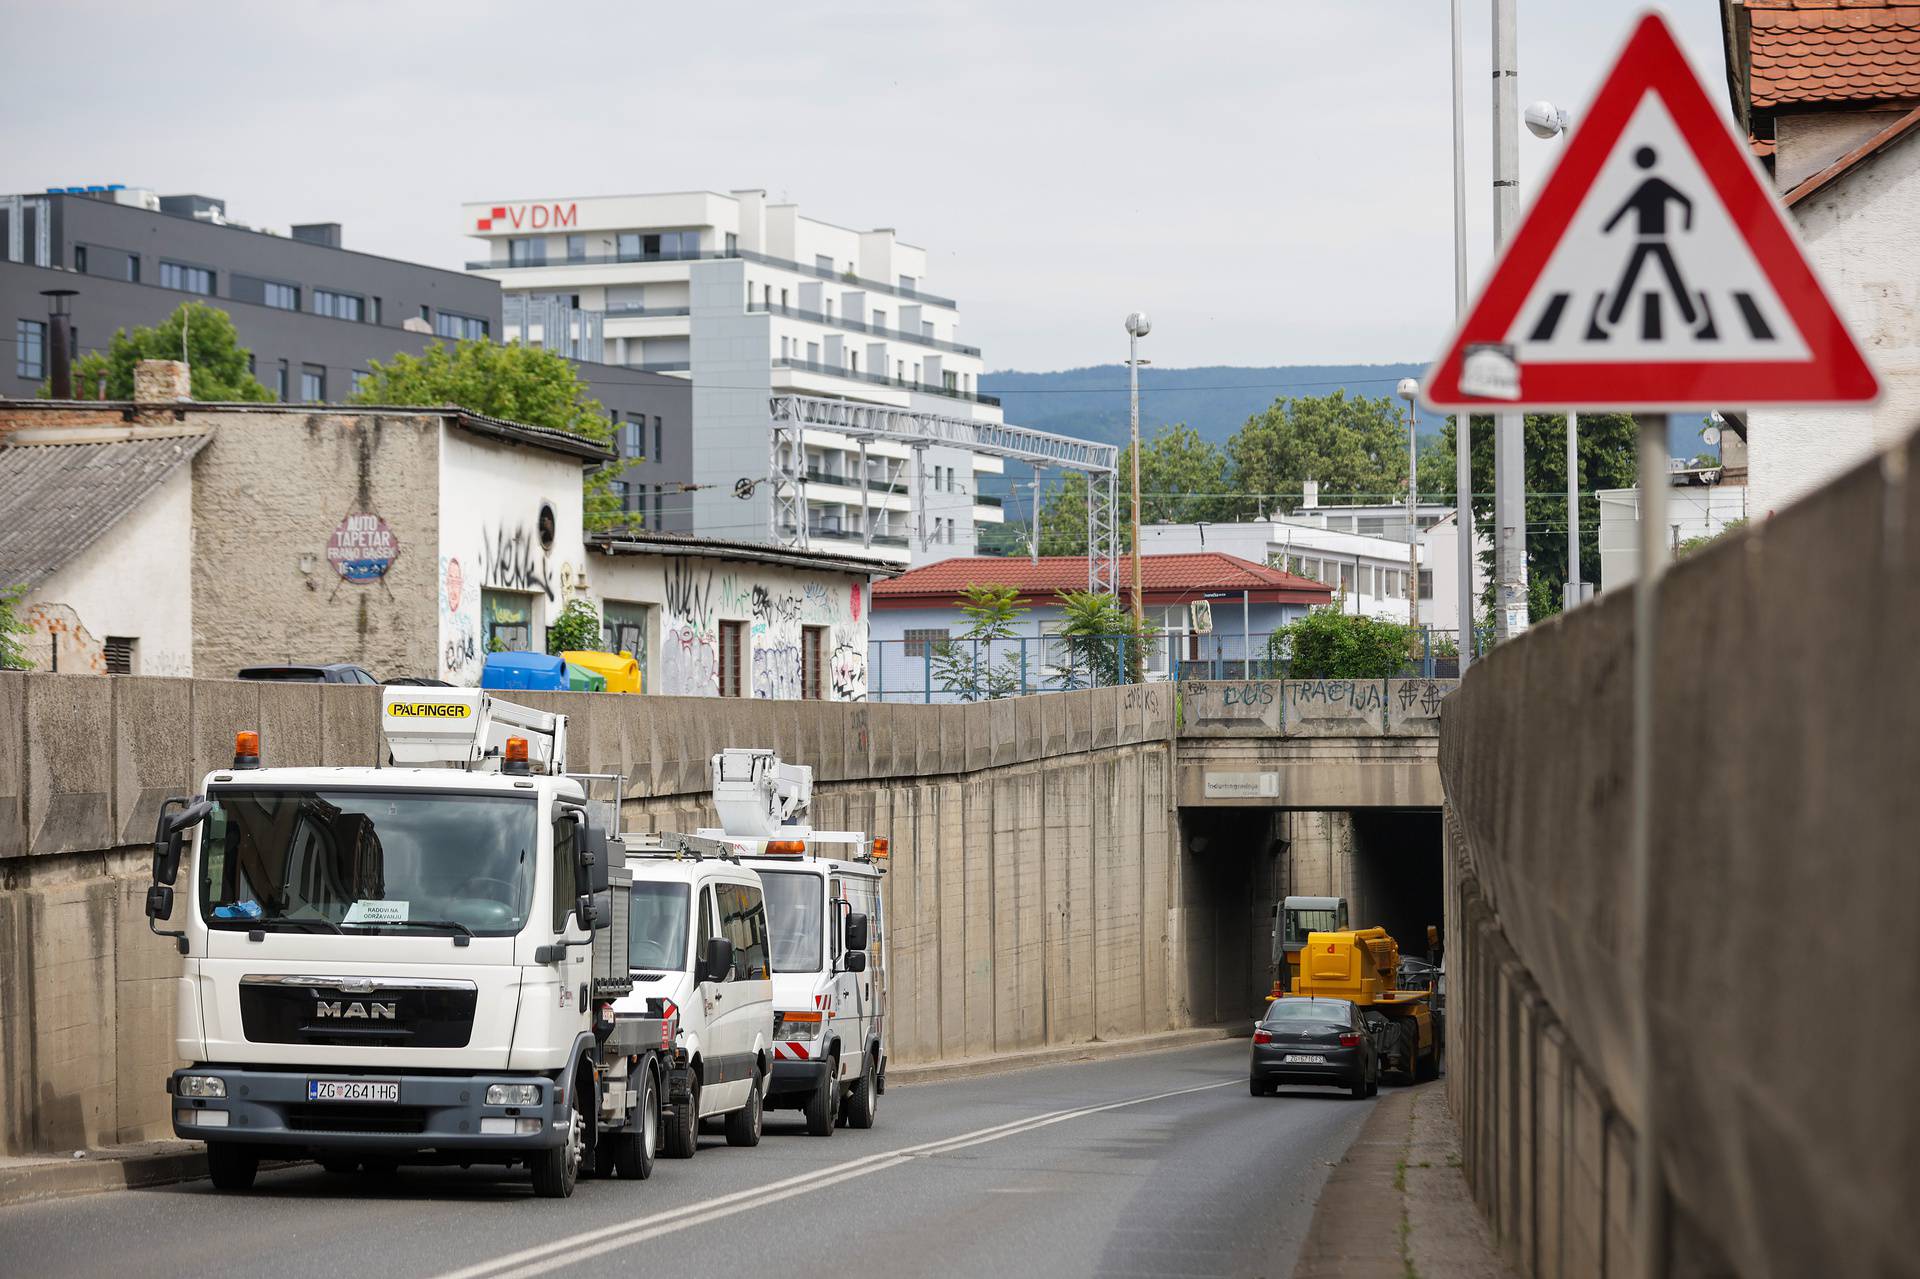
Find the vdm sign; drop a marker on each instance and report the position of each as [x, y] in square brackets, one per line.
[529, 217]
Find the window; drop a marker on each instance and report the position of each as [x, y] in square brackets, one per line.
[813, 661]
[766, 295]
[786, 346]
[783, 299]
[853, 361]
[624, 628]
[733, 642]
[341, 306]
[80, 258]
[133, 268]
[507, 620]
[426, 314]
[449, 325]
[879, 319]
[923, 642]
[360, 379]
[947, 380]
[657, 451]
[1373, 526]
[633, 438]
[821, 262]
[733, 246]
[706, 926]
[313, 383]
[280, 383]
[576, 248]
[1346, 579]
[795, 897]
[657, 926]
[813, 353]
[531, 251]
[565, 864]
[1426, 584]
[627, 246]
[373, 310]
[908, 283]
[281, 297]
[743, 921]
[120, 650]
[30, 348]
[188, 279]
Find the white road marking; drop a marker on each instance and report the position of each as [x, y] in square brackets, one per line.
[547, 1257]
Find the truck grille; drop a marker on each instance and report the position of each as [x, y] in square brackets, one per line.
[329, 1117]
[277, 1009]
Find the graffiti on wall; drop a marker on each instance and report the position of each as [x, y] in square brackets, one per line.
[689, 646]
[513, 559]
[775, 615]
[460, 655]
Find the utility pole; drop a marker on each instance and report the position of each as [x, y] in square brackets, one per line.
[1138, 326]
[1509, 429]
[1409, 390]
[1573, 511]
[1462, 422]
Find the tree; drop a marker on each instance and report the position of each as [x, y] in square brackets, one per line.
[1103, 644]
[13, 655]
[217, 361]
[1329, 644]
[1354, 447]
[1183, 478]
[964, 665]
[519, 383]
[577, 629]
[1608, 460]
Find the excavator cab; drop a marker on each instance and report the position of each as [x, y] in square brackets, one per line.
[1294, 919]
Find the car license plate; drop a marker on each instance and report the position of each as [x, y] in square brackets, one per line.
[1303, 1059]
[351, 1090]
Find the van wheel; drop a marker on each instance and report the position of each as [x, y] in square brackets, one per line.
[683, 1130]
[863, 1099]
[820, 1101]
[743, 1125]
[633, 1150]
[555, 1171]
[231, 1167]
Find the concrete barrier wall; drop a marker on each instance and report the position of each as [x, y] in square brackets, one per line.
[1035, 893]
[1785, 957]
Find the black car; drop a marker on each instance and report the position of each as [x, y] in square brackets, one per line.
[1324, 1042]
[331, 673]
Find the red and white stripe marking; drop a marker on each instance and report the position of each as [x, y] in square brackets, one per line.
[791, 1051]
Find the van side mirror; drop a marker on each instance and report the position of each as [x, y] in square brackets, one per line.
[717, 963]
[854, 961]
[856, 933]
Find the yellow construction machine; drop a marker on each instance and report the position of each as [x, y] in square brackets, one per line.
[1361, 965]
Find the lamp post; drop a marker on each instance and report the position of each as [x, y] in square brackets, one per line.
[1138, 326]
[1409, 390]
[1544, 120]
[1462, 422]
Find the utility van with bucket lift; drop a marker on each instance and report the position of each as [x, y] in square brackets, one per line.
[417, 963]
[826, 927]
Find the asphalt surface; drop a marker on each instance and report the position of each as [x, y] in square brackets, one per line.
[1158, 1164]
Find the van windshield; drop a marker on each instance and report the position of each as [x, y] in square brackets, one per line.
[657, 927]
[340, 860]
[794, 907]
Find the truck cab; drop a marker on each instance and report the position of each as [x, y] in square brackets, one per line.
[408, 964]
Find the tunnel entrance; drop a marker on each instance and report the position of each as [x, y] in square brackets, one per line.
[1396, 878]
[1238, 863]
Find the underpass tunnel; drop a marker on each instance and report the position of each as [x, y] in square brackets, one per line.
[1231, 861]
[1396, 878]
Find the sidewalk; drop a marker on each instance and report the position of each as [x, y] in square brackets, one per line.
[1397, 1206]
[24, 1178]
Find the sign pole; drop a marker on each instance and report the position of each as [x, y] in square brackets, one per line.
[1650, 1195]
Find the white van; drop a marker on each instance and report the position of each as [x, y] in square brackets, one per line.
[829, 976]
[697, 937]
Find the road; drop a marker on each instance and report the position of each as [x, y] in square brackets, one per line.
[1158, 1164]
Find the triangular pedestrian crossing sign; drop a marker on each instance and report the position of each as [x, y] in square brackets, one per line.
[1655, 271]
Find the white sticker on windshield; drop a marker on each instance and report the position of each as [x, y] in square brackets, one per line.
[366, 911]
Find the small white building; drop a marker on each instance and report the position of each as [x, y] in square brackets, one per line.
[751, 299]
[1692, 511]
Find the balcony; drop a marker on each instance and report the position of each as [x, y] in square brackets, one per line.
[853, 482]
[662, 366]
[855, 326]
[632, 311]
[894, 541]
[818, 272]
[874, 379]
[989, 499]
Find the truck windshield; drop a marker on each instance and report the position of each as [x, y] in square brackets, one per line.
[657, 927]
[331, 861]
[794, 906]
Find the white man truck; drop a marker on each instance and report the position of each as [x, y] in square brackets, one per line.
[828, 934]
[411, 964]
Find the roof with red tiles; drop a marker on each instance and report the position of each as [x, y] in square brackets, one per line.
[1164, 579]
[1832, 51]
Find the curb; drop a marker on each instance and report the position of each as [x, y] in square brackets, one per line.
[64, 1179]
[1097, 1050]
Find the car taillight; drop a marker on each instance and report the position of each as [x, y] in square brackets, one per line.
[1349, 1041]
[1262, 1037]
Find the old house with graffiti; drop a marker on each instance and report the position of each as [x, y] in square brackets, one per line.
[165, 536]
[713, 618]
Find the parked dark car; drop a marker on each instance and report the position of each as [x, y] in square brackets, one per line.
[1323, 1042]
[331, 673]
[415, 681]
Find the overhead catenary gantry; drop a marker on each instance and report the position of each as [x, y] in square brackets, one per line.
[794, 414]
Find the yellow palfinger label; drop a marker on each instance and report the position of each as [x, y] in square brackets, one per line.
[429, 710]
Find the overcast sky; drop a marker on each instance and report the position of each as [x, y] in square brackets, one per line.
[1271, 180]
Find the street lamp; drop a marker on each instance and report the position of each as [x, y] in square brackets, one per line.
[1463, 422]
[1409, 390]
[1138, 326]
[1544, 120]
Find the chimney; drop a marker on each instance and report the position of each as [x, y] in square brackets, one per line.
[162, 382]
[59, 343]
[322, 233]
[1309, 493]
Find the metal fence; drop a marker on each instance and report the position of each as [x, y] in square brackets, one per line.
[971, 670]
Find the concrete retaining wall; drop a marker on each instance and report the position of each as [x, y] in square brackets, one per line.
[1785, 957]
[1036, 889]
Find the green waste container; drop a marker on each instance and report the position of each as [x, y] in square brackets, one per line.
[582, 680]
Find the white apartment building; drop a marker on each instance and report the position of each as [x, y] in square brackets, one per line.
[751, 299]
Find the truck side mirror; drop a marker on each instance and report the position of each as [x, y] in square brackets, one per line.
[856, 933]
[717, 962]
[587, 911]
[854, 961]
[169, 835]
[590, 847]
[159, 902]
